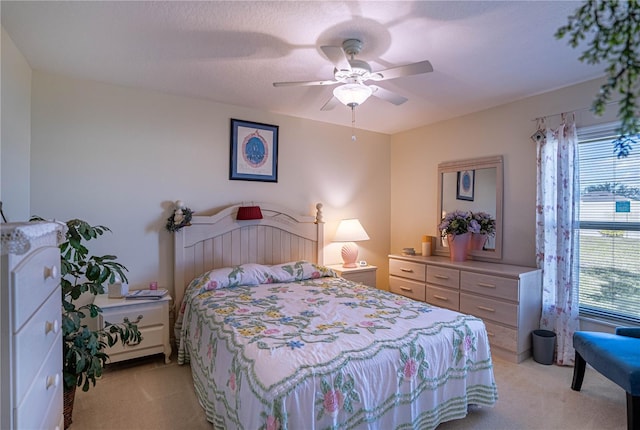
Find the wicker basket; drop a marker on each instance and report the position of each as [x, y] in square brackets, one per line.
[69, 396]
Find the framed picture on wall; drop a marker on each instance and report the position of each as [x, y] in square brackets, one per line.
[254, 151]
[466, 182]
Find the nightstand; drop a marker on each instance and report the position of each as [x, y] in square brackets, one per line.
[363, 274]
[154, 325]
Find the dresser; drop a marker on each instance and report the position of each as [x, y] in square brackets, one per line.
[30, 315]
[508, 298]
[154, 325]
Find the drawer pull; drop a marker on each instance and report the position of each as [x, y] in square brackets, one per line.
[402, 269]
[435, 296]
[53, 380]
[484, 308]
[51, 327]
[482, 284]
[407, 289]
[491, 334]
[441, 277]
[50, 272]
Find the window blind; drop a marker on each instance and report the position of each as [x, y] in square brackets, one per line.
[609, 255]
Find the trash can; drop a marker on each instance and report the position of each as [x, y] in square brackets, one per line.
[543, 345]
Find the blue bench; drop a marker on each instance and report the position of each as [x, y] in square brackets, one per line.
[617, 357]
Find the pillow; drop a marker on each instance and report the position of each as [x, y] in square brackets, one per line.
[254, 274]
[299, 271]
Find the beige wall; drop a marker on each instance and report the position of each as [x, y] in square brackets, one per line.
[120, 157]
[505, 131]
[16, 131]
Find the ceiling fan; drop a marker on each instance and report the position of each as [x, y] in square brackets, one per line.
[353, 74]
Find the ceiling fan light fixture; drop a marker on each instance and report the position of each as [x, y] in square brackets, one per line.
[352, 95]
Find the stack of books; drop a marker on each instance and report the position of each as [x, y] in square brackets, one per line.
[148, 294]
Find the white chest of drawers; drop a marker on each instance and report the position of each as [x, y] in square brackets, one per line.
[508, 298]
[30, 315]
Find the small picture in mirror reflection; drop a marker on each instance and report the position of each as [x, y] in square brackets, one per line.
[466, 182]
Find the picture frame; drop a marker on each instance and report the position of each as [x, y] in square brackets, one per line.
[253, 151]
[465, 185]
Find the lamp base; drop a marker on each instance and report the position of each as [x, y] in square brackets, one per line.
[349, 254]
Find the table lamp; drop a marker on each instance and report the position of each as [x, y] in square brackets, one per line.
[350, 231]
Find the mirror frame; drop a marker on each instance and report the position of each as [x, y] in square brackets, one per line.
[473, 164]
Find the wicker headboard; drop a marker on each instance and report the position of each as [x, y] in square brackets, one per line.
[219, 240]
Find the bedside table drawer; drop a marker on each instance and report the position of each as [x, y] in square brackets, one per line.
[443, 297]
[366, 278]
[152, 314]
[151, 336]
[407, 288]
[443, 276]
[407, 269]
[506, 313]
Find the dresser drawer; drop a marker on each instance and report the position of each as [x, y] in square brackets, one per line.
[496, 286]
[506, 313]
[45, 393]
[152, 314]
[443, 297]
[35, 340]
[412, 289]
[502, 337]
[34, 279]
[407, 269]
[443, 276]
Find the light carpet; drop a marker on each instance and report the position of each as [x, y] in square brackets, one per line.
[148, 394]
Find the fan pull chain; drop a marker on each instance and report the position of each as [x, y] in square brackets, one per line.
[353, 123]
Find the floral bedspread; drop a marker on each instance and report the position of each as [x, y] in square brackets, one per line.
[294, 347]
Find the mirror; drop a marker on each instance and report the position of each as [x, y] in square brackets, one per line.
[472, 185]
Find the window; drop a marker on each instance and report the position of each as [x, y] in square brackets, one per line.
[609, 259]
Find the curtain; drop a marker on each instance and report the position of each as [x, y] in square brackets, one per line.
[557, 232]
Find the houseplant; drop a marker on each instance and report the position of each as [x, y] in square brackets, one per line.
[481, 226]
[83, 348]
[455, 227]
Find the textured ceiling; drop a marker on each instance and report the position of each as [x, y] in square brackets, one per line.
[483, 53]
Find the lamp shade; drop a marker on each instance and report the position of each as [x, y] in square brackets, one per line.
[350, 231]
[352, 94]
[249, 212]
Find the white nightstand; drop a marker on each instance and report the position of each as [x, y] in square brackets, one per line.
[363, 274]
[154, 325]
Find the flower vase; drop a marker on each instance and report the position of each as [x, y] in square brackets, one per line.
[477, 241]
[458, 246]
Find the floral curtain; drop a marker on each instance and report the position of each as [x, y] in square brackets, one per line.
[557, 231]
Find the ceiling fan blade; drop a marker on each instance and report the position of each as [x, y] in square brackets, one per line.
[387, 95]
[337, 56]
[330, 104]
[400, 71]
[304, 83]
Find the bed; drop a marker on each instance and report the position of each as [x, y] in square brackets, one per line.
[276, 340]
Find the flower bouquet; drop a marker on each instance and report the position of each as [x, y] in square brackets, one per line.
[455, 223]
[481, 226]
[482, 223]
[455, 227]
